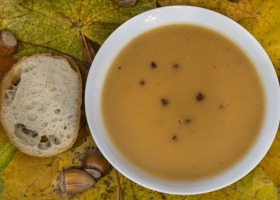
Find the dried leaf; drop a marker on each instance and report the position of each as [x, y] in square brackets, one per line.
[88, 52]
[3, 136]
[6, 62]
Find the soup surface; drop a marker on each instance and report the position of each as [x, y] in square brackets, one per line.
[182, 102]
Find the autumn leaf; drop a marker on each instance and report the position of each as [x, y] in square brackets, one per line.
[271, 162]
[3, 136]
[260, 18]
[6, 64]
[104, 189]
[7, 152]
[2, 187]
[30, 177]
[59, 24]
[60, 27]
[35, 177]
[235, 10]
[266, 28]
[26, 176]
[256, 185]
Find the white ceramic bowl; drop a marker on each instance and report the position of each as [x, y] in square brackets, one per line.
[186, 15]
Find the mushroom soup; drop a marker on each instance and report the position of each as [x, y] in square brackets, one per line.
[182, 102]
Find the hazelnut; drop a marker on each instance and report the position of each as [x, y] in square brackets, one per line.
[125, 3]
[75, 181]
[8, 43]
[96, 162]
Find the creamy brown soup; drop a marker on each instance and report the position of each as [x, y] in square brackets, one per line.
[182, 102]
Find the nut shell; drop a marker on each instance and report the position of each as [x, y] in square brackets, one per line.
[8, 43]
[75, 181]
[125, 3]
[96, 161]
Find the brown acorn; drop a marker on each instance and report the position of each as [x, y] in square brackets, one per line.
[96, 162]
[75, 181]
[8, 43]
[125, 3]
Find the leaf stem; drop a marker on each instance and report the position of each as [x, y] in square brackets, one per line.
[87, 48]
[54, 50]
[119, 189]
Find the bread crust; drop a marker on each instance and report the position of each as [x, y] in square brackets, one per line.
[6, 83]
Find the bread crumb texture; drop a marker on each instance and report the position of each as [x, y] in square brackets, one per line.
[41, 101]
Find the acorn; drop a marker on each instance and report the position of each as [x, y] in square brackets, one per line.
[8, 43]
[96, 164]
[125, 3]
[75, 181]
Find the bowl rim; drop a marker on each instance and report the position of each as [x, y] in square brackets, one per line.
[187, 15]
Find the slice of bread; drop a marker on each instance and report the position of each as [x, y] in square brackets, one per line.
[40, 104]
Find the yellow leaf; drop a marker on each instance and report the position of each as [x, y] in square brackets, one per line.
[75, 156]
[3, 136]
[2, 187]
[265, 27]
[234, 9]
[267, 193]
[7, 151]
[271, 162]
[27, 177]
[260, 18]
[59, 24]
[105, 188]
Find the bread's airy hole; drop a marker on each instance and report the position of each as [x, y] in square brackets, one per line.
[29, 107]
[28, 69]
[44, 145]
[12, 89]
[53, 89]
[32, 117]
[44, 138]
[55, 139]
[57, 111]
[16, 80]
[34, 134]
[41, 109]
[10, 94]
[25, 135]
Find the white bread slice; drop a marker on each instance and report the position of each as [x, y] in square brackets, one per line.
[40, 104]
